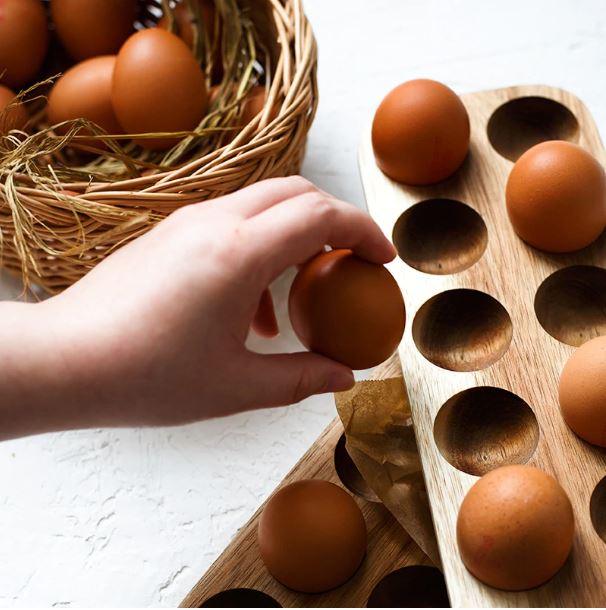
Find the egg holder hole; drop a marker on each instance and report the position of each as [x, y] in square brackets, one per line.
[440, 236]
[519, 124]
[571, 304]
[240, 598]
[462, 330]
[597, 509]
[482, 428]
[349, 474]
[411, 587]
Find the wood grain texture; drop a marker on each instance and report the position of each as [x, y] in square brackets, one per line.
[511, 272]
[389, 546]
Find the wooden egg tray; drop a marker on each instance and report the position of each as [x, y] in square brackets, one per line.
[491, 322]
[391, 552]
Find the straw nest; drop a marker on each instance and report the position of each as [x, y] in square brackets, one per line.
[63, 209]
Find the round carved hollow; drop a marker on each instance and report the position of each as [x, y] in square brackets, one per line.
[440, 236]
[349, 474]
[483, 428]
[240, 598]
[571, 304]
[521, 123]
[411, 587]
[462, 330]
[597, 509]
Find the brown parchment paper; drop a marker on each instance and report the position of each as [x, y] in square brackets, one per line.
[381, 442]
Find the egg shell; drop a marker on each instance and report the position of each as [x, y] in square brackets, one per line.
[556, 197]
[347, 309]
[23, 41]
[583, 391]
[253, 105]
[184, 21]
[515, 528]
[420, 133]
[13, 118]
[312, 536]
[158, 87]
[84, 91]
[185, 31]
[88, 28]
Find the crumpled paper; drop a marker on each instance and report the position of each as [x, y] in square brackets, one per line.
[381, 442]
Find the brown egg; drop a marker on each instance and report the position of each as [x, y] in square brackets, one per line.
[515, 528]
[158, 87]
[184, 21]
[185, 31]
[556, 197]
[583, 391]
[93, 27]
[23, 40]
[84, 91]
[15, 117]
[312, 536]
[347, 309]
[420, 133]
[253, 105]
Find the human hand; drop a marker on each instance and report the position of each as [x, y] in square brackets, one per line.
[156, 333]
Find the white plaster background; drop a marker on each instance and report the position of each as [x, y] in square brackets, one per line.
[134, 517]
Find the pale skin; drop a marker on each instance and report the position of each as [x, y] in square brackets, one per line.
[155, 335]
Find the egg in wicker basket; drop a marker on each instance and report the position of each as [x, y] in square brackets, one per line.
[71, 193]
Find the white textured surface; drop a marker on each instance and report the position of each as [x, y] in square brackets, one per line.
[133, 517]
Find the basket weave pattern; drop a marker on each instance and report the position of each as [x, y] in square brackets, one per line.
[53, 238]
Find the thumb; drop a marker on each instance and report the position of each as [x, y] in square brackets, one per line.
[283, 379]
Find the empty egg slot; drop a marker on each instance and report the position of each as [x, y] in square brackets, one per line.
[521, 123]
[240, 598]
[597, 509]
[483, 428]
[571, 304]
[411, 587]
[462, 330]
[349, 474]
[440, 236]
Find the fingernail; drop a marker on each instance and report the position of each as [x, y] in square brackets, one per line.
[390, 251]
[340, 381]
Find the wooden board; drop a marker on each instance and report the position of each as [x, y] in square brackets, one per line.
[465, 330]
[389, 546]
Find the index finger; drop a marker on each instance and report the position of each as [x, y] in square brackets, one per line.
[295, 230]
[260, 196]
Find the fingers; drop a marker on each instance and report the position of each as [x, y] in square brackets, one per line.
[263, 195]
[295, 230]
[283, 379]
[265, 323]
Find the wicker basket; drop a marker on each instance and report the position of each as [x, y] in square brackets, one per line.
[53, 237]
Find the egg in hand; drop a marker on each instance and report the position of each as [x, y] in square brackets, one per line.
[347, 309]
